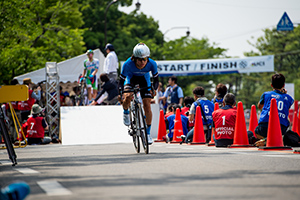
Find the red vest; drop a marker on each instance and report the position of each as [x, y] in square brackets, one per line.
[26, 105]
[35, 127]
[224, 121]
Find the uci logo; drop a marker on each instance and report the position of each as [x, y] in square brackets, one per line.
[243, 64]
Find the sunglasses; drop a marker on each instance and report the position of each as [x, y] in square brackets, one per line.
[142, 59]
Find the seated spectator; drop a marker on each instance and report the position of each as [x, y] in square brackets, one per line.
[34, 128]
[284, 102]
[187, 102]
[220, 92]
[206, 107]
[110, 87]
[171, 123]
[224, 122]
[169, 110]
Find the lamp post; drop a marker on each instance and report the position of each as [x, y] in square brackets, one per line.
[137, 5]
[105, 28]
[179, 27]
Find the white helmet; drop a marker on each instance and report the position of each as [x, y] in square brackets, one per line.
[141, 51]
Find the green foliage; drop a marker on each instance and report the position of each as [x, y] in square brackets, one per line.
[36, 31]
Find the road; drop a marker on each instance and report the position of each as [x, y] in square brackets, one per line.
[170, 171]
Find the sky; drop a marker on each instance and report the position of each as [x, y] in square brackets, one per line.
[228, 23]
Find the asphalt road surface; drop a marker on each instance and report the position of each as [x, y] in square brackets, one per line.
[170, 171]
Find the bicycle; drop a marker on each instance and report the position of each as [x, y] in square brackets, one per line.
[138, 125]
[81, 99]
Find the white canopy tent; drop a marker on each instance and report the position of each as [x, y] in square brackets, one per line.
[68, 70]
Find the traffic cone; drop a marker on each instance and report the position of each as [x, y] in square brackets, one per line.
[274, 137]
[253, 120]
[178, 131]
[198, 137]
[240, 138]
[212, 142]
[295, 122]
[162, 131]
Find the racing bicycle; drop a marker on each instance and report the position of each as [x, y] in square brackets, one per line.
[138, 126]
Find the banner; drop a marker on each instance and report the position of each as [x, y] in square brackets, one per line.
[215, 66]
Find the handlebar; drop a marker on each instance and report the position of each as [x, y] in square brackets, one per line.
[137, 89]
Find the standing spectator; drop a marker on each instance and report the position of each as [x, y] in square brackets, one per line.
[91, 66]
[171, 123]
[284, 102]
[220, 92]
[109, 86]
[25, 106]
[111, 64]
[224, 122]
[35, 127]
[173, 93]
[206, 107]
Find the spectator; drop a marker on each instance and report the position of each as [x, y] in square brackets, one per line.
[159, 97]
[284, 102]
[169, 110]
[35, 127]
[25, 106]
[173, 93]
[171, 123]
[206, 107]
[220, 92]
[111, 64]
[187, 102]
[224, 122]
[109, 86]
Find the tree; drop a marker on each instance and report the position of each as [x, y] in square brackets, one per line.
[36, 31]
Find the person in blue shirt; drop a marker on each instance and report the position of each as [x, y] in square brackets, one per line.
[173, 93]
[136, 71]
[171, 123]
[284, 102]
[207, 108]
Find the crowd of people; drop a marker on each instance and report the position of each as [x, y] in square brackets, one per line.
[136, 71]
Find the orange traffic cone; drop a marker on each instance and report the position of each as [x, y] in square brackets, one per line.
[274, 137]
[198, 137]
[178, 131]
[212, 142]
[162, 131]
[240, 138]
[295, 122]
[253, 120]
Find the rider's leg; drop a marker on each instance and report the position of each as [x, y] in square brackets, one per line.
[126, 104]
[95, 91]
[89, 93]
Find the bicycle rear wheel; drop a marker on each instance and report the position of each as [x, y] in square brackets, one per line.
[143, 128]
[133, 131]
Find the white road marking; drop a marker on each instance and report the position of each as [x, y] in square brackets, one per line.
[26, 171]
[53, 188]
[4, 162]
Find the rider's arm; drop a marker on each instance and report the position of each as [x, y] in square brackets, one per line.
[155, 81]
[121, 83]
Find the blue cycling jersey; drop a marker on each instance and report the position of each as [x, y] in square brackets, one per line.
[284, 102]
[130, 70]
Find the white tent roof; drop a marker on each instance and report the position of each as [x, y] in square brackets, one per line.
[68, 70]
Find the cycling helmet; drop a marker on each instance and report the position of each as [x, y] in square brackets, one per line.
[141, 51]
[110, 47]
[89, 51]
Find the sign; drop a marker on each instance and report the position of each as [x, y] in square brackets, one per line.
[216, 66]
[285, 24]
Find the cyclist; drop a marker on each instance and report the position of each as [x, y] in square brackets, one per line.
[135, 71]
[91, 66]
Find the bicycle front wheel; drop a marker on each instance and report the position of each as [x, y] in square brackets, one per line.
[143, 128]
[133, 131]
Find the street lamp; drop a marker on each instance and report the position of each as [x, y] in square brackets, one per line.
[179, 27]
[137, 5]
[105, 29]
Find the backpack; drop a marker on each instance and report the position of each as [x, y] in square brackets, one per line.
[291, 138]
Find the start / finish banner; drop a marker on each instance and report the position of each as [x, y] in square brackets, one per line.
[216, 66]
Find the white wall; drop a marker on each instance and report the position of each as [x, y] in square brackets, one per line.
[98, 125]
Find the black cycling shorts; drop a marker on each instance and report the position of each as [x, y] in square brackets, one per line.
[142, 83]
